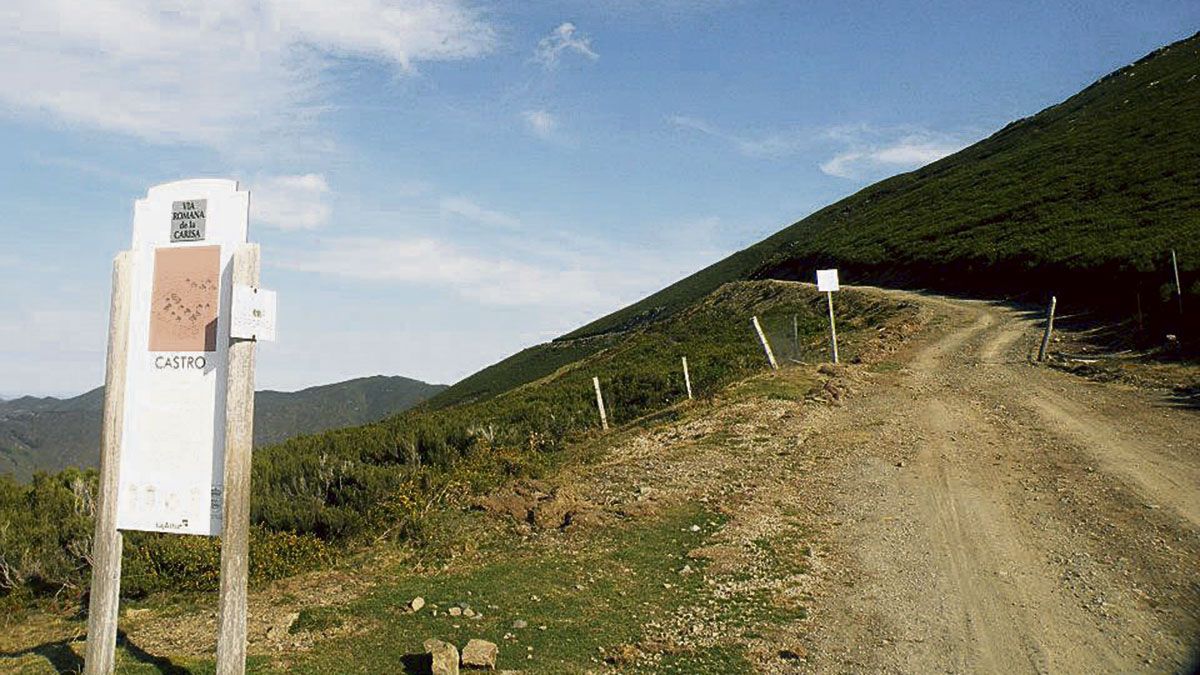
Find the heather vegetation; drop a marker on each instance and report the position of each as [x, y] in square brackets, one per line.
[327, 492]
[1085, 200]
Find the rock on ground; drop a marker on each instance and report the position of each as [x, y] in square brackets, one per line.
[444, 657]
[480, 654]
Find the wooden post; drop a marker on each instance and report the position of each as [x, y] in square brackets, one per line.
[1178, 286]
[687, 379]
[796, 334]
[1141, 325]
[1049, 329]
[235, 528]
[105, 594]
[600, 404]
[832, 327]
[766, 345]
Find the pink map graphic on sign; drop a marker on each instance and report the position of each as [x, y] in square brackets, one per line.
[185, 301]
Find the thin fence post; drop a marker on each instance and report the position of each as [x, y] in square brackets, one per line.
[235, 526]
[600, 404]
[687, 379]
[1049, 329]
[766, 345]
[832, 327]
[1178, 286]
[796, 334]
[105, 593]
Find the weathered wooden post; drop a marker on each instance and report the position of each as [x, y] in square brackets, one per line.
[1049, 329]
[179, 397]
[827, 281]
[762, 337]
[1178, 286]
[105, 593]
[239, 437]
[687, 379]
[600, 404]
[796, 335]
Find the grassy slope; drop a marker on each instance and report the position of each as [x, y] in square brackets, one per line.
[1084, 199]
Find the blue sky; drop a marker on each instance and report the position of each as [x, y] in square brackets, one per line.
[437, 184]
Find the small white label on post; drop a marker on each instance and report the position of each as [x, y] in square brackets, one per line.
[253, 316]
[827, 281]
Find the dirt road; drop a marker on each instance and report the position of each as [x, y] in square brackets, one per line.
[989, 515]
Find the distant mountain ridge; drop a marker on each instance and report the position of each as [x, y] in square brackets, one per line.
[49, 434]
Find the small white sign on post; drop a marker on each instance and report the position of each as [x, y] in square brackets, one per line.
[253, 314]
[827, 283]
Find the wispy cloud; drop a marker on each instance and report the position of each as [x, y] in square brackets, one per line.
[870, 152]
[565, 38]
[465, 208]
[542, 123]
[298, 202]
[487, 279]
[860, 151]
[221, 75]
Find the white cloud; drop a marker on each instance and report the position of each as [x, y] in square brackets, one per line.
[564, 38]
[223, 73]
[871, 153]
[489, 280]
[291, 202]
[865, 151]
[465, 208]
[541, 123]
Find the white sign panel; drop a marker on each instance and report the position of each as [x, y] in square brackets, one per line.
[173, 441]
[253, 314]
[827, 280]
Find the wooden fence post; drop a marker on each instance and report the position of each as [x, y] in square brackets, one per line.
[1178, 286]
[687, 379]
[766, 345]
[796, 334]
[105, 593]
[832, 327]
[1049, 329]
[235, 528]
[600, 404]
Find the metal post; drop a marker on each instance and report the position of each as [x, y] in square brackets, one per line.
[687, 379]
[1049, 329]
[832, 327]
[235, 528]
[105, 594]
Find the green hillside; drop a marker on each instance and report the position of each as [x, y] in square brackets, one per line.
[280, 415]
[50, 434]
[1084, 200]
